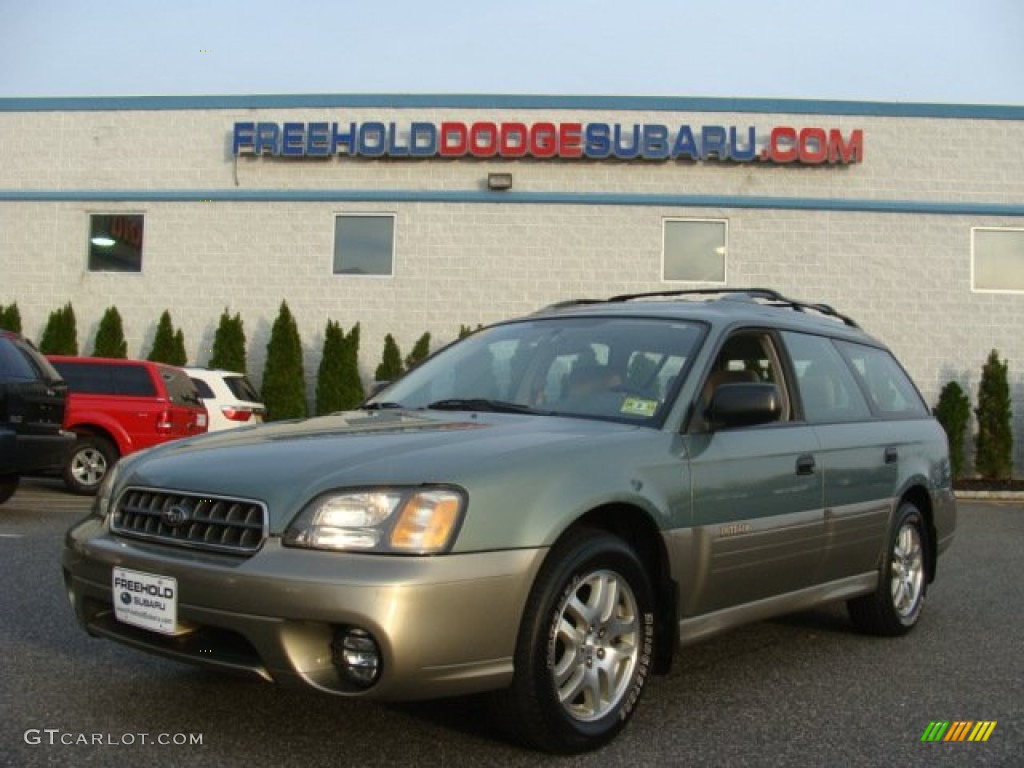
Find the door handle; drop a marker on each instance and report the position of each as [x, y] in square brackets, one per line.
[892, 454]
[805, 464]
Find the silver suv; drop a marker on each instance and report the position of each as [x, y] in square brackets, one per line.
[546, 509]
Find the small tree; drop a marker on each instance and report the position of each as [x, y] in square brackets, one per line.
[465, 330]
[420, 351]
[330, 376]
[390, 367]
[229, 344]
[168, 344]
[110, 336]
[284, 381]
[10, 318]
[352, 389]
[993, 455]
[953, 412]
[61, 334]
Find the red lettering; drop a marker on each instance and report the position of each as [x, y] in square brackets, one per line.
[543, 140]
[813, 149]
[842, 152]
[569, 139]
[782, 145]
[483, 139]
[454, 139]
[513, 140]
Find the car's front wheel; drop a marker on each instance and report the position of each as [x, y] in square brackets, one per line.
[89, 461]
[894, 608]
[8, 485]
[585, 647]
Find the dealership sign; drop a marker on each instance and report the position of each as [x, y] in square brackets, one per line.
[549, 140]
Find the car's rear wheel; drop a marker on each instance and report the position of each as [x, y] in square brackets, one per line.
[894, 608]
[585, 647]
[8, 485]
[89, 461]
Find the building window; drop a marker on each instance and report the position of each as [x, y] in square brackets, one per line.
[115, 242]
[997, 260]
[694, 251]
[364, 244]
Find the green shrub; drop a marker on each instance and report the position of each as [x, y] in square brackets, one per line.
[352, 383]
[61, 334]
[390, 367]
[330, 375]
[420, 351]
[953, 412]
[284, 381]
[110, 336]
[229, 344]
[168, 344]
[10, 318]
[993, 457]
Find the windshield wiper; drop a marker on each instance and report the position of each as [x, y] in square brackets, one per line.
[380, 406]
[479, 404]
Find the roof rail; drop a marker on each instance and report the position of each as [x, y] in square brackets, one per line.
[765, 296]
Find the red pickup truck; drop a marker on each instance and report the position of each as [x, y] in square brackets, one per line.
[116, 407]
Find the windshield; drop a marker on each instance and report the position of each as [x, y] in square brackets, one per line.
[618, 369]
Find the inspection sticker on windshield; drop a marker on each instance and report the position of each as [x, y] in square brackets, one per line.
[636, 406]
[146, 600]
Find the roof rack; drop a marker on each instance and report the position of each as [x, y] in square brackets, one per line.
[766, 296]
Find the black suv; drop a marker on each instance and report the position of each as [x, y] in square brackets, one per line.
[32, 402]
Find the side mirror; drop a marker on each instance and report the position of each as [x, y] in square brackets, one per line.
[744, 405]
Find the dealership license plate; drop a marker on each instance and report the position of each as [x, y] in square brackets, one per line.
[146, 600]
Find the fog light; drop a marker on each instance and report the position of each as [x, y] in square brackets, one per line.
[357, 656]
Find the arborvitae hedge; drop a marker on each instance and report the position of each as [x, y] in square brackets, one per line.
[110, 336]
[330, 375]
[390, 367]
[61, 334]
[168, 344]
[10, 318]
[284, 382]
[993, 457]
[352, 382]
[420, 351]
[953, 412]
[229, 344]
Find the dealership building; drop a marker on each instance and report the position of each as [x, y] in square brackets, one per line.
[413, 214]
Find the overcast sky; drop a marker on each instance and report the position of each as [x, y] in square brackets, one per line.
[947, 51]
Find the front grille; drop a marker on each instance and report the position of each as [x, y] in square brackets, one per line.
[189, 520]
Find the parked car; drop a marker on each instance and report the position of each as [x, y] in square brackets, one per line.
[32, 402]
[546, 509]
[229, 397]
[117, 407]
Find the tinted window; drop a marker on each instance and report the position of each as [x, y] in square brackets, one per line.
[242, 388]
[89, 378]
[179, 387]
[18, 360]
[890, 389]
[202, 388]
[827, 388]
[133, 380]
[115, 242]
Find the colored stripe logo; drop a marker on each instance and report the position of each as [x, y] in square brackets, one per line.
[958, 730]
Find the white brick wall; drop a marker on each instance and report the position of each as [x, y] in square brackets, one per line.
[904, 276]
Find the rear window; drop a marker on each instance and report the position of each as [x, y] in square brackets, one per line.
[892, 393]
[202, 388]
[133, 380]
[18, 360]
[242, 388]
[180, 388]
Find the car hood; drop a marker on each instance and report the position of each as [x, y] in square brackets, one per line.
[286, 464]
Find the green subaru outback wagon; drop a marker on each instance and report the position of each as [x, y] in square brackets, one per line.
[546, 510]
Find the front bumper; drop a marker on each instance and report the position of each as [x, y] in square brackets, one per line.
[445, 625]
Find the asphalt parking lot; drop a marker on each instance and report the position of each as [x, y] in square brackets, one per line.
[804, 690]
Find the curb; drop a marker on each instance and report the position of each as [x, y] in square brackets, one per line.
[1017, 496]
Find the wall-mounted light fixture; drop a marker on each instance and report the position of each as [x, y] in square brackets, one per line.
[499, 181]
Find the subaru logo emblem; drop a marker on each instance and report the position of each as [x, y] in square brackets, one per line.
[175, 515]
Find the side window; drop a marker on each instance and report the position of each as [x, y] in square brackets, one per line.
[746, 357]
[890, 389]
[202, 388]
[828, 391]
[133, 380]
[89, 378]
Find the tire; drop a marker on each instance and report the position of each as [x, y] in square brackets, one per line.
[895, 607]
[8, 485]
[88, 463]
[579, 671]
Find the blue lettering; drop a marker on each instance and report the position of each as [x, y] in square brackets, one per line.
[394, 148]
[685, 144]
[423, 139]
[292, 139]
[267, 135]
[712, 141]
[597, 143]
[372, 139]
[747, 153]
[318, 140]
[655, 142]
[346, 141]
[244, 137]
[626, 153]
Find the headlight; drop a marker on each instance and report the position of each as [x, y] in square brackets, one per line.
[419, 521]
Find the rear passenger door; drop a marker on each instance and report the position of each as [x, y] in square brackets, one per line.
[857, 456]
